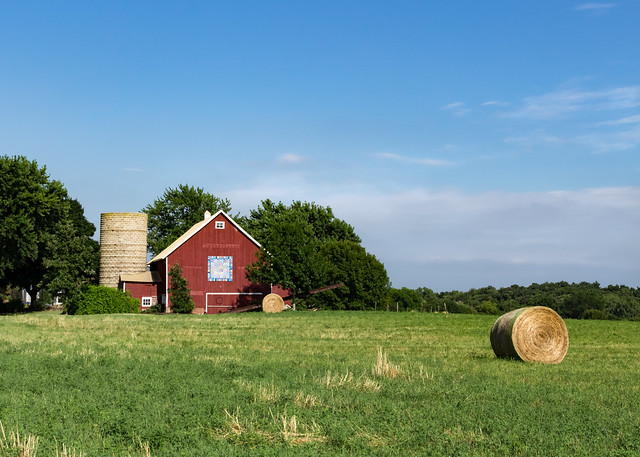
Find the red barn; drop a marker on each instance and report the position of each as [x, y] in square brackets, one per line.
[213, 255]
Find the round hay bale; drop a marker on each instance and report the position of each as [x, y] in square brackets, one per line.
[272, 303]
[533, 334]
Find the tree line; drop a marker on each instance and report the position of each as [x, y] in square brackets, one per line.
[576, 300]
[46, 248]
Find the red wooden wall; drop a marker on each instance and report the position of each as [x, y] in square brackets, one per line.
[193, 257]
[143, 289]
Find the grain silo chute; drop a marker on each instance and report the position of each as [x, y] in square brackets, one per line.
[123, 246]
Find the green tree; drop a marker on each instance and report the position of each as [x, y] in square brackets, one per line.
[621, 304]
[72, 261]
[366, 283]
[404, 299]
[179, 293]
[177, 211]
[291, 239]
[288, 257]
[325, 226]
[488, 307]
[581, 300]
[429, 299]
[44, 238]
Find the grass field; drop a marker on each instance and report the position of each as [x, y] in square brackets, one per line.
[311, 383]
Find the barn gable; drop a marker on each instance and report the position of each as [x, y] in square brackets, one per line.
[195, 229]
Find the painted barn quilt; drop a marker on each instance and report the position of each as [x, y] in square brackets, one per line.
[220, 268]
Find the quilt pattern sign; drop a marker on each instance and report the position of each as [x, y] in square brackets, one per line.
[220, 268]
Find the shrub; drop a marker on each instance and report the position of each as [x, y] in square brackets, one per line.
[595, 314]
[12, 307]
[102, 300]
[488, 307]
[459, 307]
[179, 293]
[157, 308]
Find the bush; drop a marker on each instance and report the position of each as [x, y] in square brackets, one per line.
[595, 314]
[11, 307]
[103, 300]
[179, 292]
[158, 308]
[488, 307]
[460, 308]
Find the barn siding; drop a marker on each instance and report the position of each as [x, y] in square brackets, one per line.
[142, 289]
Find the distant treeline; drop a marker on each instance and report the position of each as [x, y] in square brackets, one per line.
[578, 301]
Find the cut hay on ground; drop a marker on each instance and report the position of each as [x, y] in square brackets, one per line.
[533, 334]
[272, 303]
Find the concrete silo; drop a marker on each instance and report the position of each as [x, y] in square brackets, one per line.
[123, 246]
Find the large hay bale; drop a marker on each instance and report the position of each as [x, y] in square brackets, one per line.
[533, 334]
[272, 303]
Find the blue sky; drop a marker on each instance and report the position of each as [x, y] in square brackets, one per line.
[469, 143]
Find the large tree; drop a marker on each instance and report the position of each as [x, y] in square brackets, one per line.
[44, 237]
[364, 278]
[305, 246]
[288, 256]
[321, 220]
[176, 211]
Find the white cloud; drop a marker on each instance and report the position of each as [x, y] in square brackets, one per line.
[625, 120]
[448, 239]
[422, 161]
[593, 132]
[288, 159]
[593, 228]
[457, 108]
[495, 103]
[563, 103]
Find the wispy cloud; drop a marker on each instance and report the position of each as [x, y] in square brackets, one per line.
[535, 140]
[457, 108]
[495, 103]
[594, 132]
[597, 141]
[420, 161]
[594, 6]
[625, 120]
[289, 159]
[564, 103]
[611, 141]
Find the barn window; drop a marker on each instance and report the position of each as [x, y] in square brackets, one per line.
[220, 268]
[146, 302]
[220, 224]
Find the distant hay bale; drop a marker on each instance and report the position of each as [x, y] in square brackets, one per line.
[272, 303]
[533, 334]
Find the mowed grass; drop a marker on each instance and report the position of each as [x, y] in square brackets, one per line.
[311, 383]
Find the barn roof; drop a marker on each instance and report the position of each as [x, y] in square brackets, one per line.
[195, 229]
[145, 276]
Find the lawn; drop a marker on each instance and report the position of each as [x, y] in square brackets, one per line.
[311, 383]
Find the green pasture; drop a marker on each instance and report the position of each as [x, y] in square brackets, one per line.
[311, 383]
